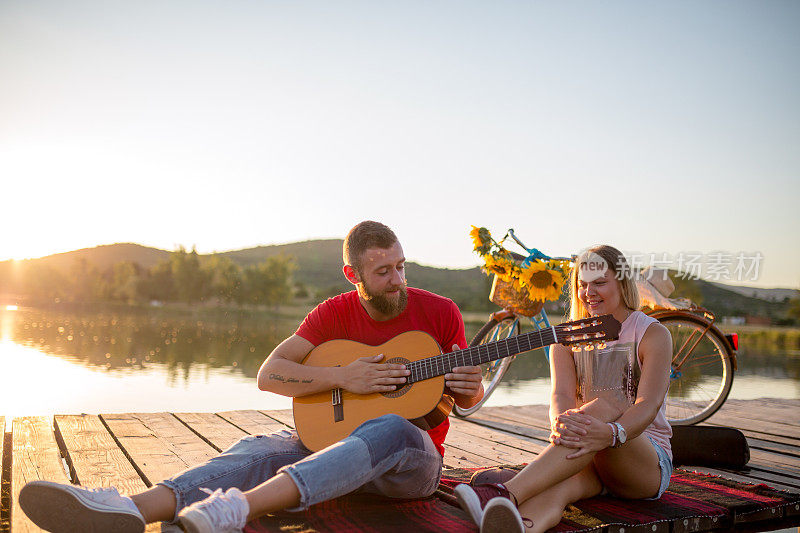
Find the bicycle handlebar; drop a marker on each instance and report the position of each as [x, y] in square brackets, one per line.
[533, 253]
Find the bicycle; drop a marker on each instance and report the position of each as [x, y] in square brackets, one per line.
[703, 361]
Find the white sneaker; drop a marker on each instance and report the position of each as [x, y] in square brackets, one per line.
[65, 508]
[221, 512]
[501, 516]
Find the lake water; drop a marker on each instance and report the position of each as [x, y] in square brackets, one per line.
[84, 361]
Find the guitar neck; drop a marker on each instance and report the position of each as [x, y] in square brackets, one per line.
[438, 365]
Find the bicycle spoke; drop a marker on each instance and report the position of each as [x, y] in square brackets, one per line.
[702, 373]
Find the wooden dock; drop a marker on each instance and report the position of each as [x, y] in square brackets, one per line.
[132, 451]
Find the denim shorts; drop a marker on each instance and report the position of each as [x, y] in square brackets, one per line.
[665, 463]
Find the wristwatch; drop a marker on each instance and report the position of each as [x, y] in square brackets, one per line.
[621, 435]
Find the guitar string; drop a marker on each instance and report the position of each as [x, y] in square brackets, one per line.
[435, 366]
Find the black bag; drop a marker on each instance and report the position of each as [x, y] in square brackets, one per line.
[710, 446]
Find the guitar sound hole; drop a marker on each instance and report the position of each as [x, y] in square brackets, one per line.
[399, 389]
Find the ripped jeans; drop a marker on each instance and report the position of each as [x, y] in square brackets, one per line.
[388, 455]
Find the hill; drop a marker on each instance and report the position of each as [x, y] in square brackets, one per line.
[724, 301]
[319, 268]
[771, 295]
[319, 265]
[103, 257]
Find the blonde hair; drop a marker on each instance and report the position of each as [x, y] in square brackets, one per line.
[622, 273]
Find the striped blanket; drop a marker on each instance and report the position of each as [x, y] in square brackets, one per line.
[693, 502]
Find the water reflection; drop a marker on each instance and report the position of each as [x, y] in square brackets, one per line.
[73, 360]
[136, 339]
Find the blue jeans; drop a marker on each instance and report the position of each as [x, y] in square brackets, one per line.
[388, 455]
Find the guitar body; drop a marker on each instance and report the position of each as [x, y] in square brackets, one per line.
[319, 423]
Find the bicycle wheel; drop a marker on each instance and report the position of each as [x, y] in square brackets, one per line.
[702, 370]
[492, 372]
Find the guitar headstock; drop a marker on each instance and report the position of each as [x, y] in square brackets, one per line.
[588, 333]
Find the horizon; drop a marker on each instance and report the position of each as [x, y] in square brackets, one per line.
[409, 259]
[667, 130]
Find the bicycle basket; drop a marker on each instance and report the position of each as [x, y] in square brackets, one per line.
[506, 296]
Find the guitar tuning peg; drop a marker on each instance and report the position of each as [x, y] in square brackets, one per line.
[576, 348]
[589, 347]
[601, 346]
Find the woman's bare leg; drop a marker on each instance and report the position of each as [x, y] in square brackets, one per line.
[552, 466]
[545, 509]
[631, 471]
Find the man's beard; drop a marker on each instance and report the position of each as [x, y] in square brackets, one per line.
[381, 302]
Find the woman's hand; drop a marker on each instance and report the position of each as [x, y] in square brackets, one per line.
[593, 435]
[568, 428]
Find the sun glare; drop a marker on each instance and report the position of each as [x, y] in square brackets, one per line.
[38, 383]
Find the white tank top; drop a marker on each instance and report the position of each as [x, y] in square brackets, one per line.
[613, 373]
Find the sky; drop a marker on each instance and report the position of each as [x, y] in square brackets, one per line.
[668, 129]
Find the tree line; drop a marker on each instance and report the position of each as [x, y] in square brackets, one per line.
[183, 277]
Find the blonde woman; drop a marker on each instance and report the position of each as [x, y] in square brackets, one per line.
[609, 432]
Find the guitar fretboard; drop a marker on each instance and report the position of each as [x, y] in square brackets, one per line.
[477, 355]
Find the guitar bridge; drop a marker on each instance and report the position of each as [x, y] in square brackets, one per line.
[338, 407]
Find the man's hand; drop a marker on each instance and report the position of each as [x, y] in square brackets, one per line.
[366, 375]
[464, 382]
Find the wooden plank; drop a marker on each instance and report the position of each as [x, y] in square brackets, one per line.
[532, 416]
[158, 444]
[284, 416]
[35, 456]
[4, 498]
[95, 459]
[493, 420]
[742, 477]
[763, 410]
[762, 428]
[506, 448]
[775, 462]
[93, 456]
[253, 422]
[774, 444]
[457, 457]
[213, 429]
[763, 416]
[492, 452]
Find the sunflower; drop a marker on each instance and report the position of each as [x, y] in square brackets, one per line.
[481, 240]
[541, 280]
[542, 283]
[501, 266]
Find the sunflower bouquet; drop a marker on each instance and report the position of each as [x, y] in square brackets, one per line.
[523, 289]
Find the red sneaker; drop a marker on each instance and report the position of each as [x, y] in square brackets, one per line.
[474, 499]
[501, 516]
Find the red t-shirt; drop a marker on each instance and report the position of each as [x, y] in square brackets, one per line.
[343, 317]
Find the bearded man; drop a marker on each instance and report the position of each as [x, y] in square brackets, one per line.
[268, 473]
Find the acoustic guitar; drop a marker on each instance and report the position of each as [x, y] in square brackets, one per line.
[324, 418]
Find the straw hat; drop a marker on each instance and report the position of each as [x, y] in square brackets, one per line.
[659, 278]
